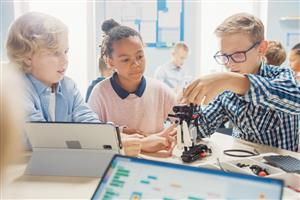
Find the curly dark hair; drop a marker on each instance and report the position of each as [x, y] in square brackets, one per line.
[114, 32]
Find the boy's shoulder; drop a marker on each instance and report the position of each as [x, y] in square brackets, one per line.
[271, 71]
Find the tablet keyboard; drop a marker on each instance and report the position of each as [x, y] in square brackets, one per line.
[286, 163]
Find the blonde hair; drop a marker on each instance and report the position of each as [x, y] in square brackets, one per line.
[11, 114]
[242, 23]
[181, 45]
[31, 32]
[275, 53]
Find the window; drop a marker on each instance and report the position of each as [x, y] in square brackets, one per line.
[160, 22]
[74, 15]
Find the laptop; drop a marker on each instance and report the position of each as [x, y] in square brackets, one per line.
[71, 149]
[134, 178]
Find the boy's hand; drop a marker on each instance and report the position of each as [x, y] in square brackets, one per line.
[206, 88]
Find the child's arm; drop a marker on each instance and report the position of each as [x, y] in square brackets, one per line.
[154, 143]
[213, 116]
[206, 88]
[281, 93]
[81, 111]
[131, 144]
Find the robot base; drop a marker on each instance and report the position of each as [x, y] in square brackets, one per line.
[195, 152]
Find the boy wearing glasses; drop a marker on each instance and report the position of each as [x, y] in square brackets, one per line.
[263, 102]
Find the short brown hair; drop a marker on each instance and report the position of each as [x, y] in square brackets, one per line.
[242, 23]
[275, 53]
[181, 45]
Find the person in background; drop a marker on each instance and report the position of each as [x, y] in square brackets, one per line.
[275, 54]
[262, 101]
[38, 44]
[104, 69]
[138, 104]
[173, 73]
[294, 60]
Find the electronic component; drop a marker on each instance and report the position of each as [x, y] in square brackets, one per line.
[196, 152]
[187, 132]
[259, 171]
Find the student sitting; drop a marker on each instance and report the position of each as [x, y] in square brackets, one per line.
[129, 99]
[263, 102]
[275, 54]
[104, 69]
[294, 59]
[38, 44]
[173, 73]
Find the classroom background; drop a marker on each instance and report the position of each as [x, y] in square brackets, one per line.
[161, 24]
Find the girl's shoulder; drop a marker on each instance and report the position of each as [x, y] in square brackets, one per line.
[155, 85]
[103, 85]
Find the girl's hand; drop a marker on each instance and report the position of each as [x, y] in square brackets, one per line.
[170, 131]
[132, 146]
[131, 131]
[155, 143]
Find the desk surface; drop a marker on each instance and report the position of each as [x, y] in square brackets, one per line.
[22, 186]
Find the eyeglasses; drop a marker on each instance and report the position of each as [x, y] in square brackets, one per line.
[237, 57]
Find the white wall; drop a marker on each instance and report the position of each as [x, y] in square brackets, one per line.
[6, 17]
[276, 28]
[158, 56]
[201, 17]
[74, 15]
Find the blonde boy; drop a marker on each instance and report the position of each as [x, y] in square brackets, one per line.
[38, 44]
[172, 73]
[275, 54]
[262, 102]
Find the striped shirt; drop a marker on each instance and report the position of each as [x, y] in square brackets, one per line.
[267, 114]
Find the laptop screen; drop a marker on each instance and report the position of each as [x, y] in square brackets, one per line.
[134, 178]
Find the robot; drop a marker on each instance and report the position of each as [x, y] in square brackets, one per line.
[187, 132]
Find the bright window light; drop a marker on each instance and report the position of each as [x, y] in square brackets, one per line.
[74, 15]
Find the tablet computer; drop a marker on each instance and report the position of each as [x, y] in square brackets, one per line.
[134, 178]
[71, 149]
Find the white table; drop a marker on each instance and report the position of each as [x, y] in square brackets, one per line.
[22, 186]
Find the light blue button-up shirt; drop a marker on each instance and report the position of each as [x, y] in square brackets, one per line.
[69, 104]
[171, 75]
